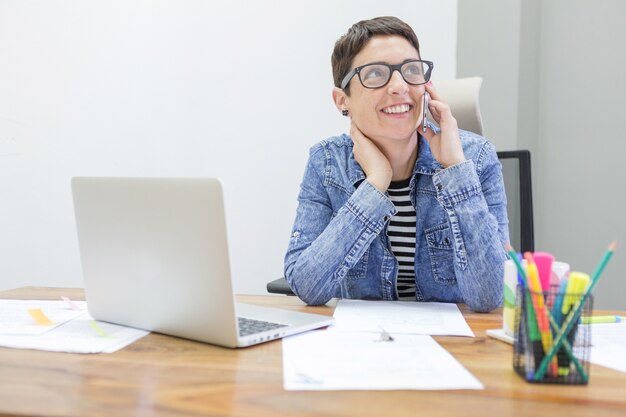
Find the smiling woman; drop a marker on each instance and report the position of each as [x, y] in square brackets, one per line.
[392, 211]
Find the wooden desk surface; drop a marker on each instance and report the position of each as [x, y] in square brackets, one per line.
[165, 376]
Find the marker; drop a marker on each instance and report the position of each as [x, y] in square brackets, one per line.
[541, 312]
[576, 286]
[533, 329]
[558, 304]
[602, 319]
[544, 266]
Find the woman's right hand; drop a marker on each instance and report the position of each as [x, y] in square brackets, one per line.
[373, 162]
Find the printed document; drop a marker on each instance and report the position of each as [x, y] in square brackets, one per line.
[72, 329]
[400, 317]
[326, 360]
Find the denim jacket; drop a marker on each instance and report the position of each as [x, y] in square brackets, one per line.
[339, 245]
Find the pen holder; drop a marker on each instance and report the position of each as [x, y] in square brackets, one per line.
[541, 321]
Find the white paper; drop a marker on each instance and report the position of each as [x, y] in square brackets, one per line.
[325, 360]
[15, 319]
[75, 335]
[400, 317]
[609, 345]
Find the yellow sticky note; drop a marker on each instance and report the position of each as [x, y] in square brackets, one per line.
[97, 328]
[39, 317]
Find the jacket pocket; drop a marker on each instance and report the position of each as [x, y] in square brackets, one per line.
[441, 253]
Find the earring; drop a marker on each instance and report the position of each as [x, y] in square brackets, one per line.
[344, 112]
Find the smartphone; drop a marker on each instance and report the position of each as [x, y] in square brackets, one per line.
[424, 111]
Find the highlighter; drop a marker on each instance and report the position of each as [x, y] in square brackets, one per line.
[541, 311]
[576, 287]
[544, 261]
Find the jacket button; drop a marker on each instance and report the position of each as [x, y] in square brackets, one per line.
[439, 187]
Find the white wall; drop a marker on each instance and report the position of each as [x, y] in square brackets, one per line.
[488, 47]
[570, 96]
[237, 90]
[581, 193]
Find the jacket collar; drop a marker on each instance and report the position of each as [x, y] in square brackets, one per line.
[425, 163]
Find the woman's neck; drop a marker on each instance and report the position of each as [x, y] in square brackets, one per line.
[401, 155]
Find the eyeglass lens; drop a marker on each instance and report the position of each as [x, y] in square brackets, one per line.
[377, 75]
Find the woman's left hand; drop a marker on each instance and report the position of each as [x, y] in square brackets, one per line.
[445, 145]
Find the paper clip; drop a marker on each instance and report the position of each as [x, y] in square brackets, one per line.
[384, 336]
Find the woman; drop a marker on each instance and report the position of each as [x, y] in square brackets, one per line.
[395, 210]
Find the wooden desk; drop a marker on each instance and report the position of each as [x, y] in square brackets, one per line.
[165, 376]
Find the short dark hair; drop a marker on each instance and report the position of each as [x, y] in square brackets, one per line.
[350, 44]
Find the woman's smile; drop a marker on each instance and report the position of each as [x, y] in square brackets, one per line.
[397, 110]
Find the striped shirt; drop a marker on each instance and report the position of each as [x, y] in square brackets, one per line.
[401, 232]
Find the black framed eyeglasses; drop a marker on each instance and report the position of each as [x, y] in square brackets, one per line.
[376, 75]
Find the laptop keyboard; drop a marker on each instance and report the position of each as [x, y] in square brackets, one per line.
[251, 326]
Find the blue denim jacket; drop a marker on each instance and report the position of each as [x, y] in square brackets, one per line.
[339, 245]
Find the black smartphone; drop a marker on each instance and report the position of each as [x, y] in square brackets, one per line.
[424, 111]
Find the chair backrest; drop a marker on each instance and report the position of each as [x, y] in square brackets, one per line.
[462, 96]
[518, 188]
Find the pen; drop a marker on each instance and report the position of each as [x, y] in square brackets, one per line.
[602, 319]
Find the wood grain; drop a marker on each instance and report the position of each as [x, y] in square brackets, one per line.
[166, 376]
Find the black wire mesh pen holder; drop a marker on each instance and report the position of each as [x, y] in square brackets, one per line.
[570, 364]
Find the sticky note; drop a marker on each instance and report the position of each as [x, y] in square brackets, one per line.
[98, 330]
[39, 317]
[70, 303]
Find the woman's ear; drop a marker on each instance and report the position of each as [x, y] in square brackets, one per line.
[341, 99]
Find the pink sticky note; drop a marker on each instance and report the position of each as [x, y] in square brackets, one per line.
[70, 303]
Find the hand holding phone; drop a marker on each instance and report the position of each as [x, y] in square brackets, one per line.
[425, 110]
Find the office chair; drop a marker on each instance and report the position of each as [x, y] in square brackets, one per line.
[462, 97]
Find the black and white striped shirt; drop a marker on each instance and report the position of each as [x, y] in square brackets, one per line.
[401, 232]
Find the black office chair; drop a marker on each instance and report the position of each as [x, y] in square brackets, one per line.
[518, 187]
[462, 97]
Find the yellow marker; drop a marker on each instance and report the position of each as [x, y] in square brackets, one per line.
[39, 317]
[576, 287]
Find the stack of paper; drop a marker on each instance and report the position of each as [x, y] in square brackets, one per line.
[60, 326]
[377, 345]
[609, 345]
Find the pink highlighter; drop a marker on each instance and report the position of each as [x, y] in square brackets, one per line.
[544, 265]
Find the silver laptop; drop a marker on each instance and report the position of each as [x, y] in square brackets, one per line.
[155, 256]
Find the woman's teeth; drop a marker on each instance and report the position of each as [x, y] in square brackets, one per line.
[402, 108]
